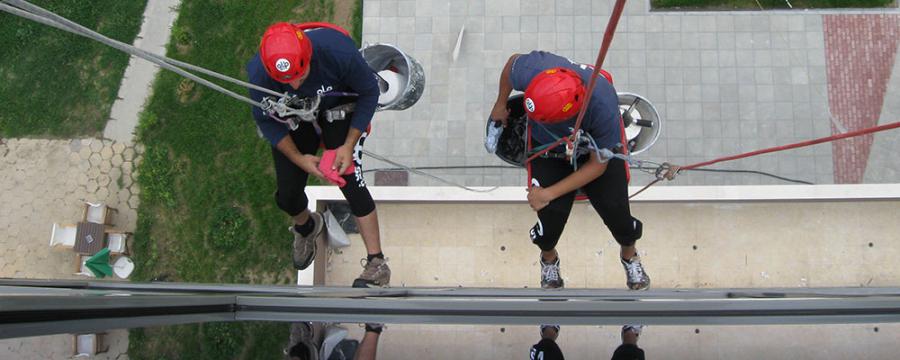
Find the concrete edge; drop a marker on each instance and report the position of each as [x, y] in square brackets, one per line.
[320, 195]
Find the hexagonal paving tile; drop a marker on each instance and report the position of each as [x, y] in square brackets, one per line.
[95, 159]
[96, 145]
[106, 153]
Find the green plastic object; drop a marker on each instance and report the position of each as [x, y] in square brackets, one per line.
[99, 264]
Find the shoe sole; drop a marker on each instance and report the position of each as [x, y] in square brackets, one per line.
[359, 283]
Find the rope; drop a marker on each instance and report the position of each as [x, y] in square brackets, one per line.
[674, 170]
[35, 13]
[601, 56]
[419, 172]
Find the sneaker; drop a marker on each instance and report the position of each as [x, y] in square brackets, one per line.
[305, 246]
[545, 328]
[376, 273]
[636, 329]
[550, 278]
[636, 277]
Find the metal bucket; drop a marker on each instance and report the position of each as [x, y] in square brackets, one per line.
[642, 122]
[401, 78]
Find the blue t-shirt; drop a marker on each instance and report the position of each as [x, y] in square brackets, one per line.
[336, 66]
[602, 119]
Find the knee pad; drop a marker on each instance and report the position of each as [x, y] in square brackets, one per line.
[291, 202]
[358, 196]
[627, 237]
[549, 227]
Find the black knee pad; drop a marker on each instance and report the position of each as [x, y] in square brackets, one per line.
[291, 202]
[627, 237]
[358, 196]
[549, 227]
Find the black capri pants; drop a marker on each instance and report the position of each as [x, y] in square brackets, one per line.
[291, 180]
[608, 195]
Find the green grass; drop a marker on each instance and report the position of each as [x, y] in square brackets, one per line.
[207, 210]
[769, 4]
[55, 84]
[357, 22]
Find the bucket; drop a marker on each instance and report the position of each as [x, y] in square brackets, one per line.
[400, 77]
[642, 122]
[512, 144]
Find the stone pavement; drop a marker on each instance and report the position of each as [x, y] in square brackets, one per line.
[48, 181]
[60, 347]
[723, 82]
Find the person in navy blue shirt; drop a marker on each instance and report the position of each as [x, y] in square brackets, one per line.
[322, 62]
[555, 89]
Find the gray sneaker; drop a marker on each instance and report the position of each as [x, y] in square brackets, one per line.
[636, 277]
[376, 273]
[550, 277]
[305, 246]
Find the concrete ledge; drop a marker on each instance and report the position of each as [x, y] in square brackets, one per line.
[319, 196]
[511, 194]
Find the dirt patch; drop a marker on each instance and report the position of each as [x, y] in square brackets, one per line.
[187, 91]
[343, 13]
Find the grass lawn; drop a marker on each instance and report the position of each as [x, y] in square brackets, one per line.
[207, 210]
[768, 4]
[58, 85]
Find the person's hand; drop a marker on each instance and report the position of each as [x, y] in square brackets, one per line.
[310, 164]
[500, 113]
[343, 157]
[539, 197]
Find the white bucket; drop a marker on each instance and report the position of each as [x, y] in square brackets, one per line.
[402, 79]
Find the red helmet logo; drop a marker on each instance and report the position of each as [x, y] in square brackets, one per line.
[554, 95]
[285, 52]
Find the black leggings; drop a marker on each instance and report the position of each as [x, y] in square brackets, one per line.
[608, 195]
[291, 180]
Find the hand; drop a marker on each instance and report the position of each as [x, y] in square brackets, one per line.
[343, 157]
[310, 164]
[539, 197]
[500, 113]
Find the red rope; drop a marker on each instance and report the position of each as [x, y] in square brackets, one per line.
[601, 56]
[831, 138]
[797, 145]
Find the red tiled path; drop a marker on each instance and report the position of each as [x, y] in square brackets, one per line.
[859, 53]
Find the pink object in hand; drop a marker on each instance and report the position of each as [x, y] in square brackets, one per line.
[332, 175]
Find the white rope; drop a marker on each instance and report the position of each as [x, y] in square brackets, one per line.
[35, 13]
[420, 172]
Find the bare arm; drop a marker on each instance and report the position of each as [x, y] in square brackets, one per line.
[368, 348]
[500, 112]
[308, 163]
[344, 156]
[539, 197]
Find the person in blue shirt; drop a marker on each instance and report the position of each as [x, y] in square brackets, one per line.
[555, 89]
[321, 62]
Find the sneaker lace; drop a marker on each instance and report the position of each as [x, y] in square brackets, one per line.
[369, 270]
[550, 272]
[634, 270]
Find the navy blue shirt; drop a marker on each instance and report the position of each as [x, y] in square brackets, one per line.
[602, 119]
[336, 66]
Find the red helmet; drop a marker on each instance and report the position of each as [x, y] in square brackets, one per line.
[554, 95]
[285, 52]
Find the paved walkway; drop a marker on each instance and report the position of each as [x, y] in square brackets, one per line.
[724, 82]
[45, 182]
[159, 15]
